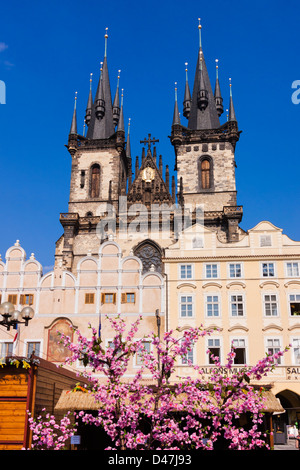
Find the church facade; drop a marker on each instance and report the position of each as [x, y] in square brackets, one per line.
[137, 242]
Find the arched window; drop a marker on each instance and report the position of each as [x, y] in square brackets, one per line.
[205, 174]
[95, 181]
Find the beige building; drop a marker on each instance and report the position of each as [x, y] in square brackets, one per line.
[248, 290]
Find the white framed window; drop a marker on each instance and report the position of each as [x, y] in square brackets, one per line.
[296, 351]
[292, 269]
[211, 271]
[237, 307]
[146, 347]
[186, 305]
[265, 240]
[214, 348]
[212, 305]
[270, 302]
[239, 345]
[273, 346]
[235, 270]
[33, 347]
[6, 348]
[188, 358]
[268, 269]
[186, 271]
[294, 304]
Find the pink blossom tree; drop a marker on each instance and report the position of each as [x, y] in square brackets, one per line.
[173, 412]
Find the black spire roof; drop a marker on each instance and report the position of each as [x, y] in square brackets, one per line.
[101, 125]
[176, 117]
[73, 129]
[232, 116]
[202, 118]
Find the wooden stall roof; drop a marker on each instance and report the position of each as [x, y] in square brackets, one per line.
[78, 400]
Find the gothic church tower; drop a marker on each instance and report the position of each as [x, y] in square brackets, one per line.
[99, 173]
[205, 153]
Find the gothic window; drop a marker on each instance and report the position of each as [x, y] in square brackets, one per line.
[150, 255]
[205, 174]
[95, 181]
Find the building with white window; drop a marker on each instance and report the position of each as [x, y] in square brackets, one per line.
[247, 293]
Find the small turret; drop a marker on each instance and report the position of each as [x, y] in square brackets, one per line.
[121, 127]
[116, 104]
[187, 95]
[89, 107]
[217, 94]
[73, 130]
[72, 141]
[202, 94]
[99, 101]
[176, 117]
[232, 116]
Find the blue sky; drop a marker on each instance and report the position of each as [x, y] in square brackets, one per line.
[49, 49]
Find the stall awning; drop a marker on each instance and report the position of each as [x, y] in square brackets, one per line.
[78, 400]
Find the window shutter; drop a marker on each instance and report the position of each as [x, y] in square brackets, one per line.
[114, 298]
[21, 299]
[123, 298]
[102, 298]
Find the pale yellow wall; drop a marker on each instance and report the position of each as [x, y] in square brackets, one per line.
[60, 294]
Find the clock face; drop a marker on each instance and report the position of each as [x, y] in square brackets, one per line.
[148, 174]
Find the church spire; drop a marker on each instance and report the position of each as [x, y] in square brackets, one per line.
[231, 107]
[176, 117]
[121, 120]
[73, 129]
[187, 95]
[116, 105]
[203, 113]
[217, 94]
[101, 124]
[202, 93]
[128, 147]
[99, 100]
[89, 106]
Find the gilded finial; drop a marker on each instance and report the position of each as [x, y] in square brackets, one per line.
[91, 79]
[83, 133]
[230, 87]
[217, 68]
[105, 36]
[175, 91]
[186, 71]
[75, 100]
[199, 28]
